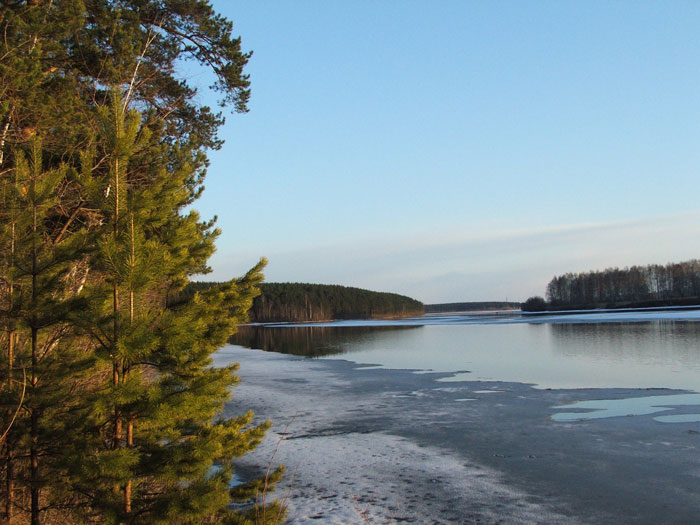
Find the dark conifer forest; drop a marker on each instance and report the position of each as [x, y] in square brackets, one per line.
[299, 302]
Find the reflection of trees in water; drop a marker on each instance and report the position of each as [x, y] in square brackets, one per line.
[655, 340]
[309, 341]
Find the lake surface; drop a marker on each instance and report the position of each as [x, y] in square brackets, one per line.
[659, 349]
[557, 416]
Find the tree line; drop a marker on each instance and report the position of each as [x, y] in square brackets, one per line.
[650, 285]
[299, 302]
[296, 302]
[471, 306]
[109, 405]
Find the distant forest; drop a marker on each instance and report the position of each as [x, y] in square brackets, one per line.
[638, 286]
[470, 306]
[299, 302]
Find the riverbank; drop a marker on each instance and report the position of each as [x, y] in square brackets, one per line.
[403, 447]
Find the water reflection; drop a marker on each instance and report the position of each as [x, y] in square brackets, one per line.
[651, 354]
[652, 342]
[313, 341]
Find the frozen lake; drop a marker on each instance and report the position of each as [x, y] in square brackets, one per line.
[583, 418]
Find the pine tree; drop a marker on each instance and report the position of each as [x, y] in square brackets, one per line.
[166, 457]
[39, 339]
[119, 417]
[11, 400]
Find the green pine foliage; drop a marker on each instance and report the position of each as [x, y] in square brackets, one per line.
[43, 361]
[109, 404]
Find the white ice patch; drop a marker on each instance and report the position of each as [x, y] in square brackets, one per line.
[679, 418]
[380, 478]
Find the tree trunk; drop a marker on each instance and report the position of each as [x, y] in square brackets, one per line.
[34, 431]
[117, 437]
[9, 460]
[9, 482]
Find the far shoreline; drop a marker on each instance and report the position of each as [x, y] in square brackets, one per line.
[487, 315]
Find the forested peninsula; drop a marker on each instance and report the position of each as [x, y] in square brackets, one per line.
[653, 285]
[472, 306]
[302, 302]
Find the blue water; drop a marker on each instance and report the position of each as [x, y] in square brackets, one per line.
[634, 406]
[632, 349]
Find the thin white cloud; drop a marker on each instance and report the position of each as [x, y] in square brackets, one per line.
[484, 265]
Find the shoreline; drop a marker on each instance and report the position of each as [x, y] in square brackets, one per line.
[633, 315]
[403, 447]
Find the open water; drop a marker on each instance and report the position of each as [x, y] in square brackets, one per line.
[603, 444]
[647, 349]
[598, 350]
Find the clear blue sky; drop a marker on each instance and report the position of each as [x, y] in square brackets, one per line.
[459, 150]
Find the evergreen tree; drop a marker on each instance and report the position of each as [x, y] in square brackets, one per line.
[160, 440]
[118, 416]
[39, 298]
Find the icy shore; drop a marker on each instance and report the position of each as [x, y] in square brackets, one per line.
[393, 446]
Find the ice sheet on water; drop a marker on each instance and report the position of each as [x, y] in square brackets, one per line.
[338, 474]
[679, 418]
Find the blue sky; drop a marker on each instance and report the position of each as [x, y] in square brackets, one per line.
[456, 150]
